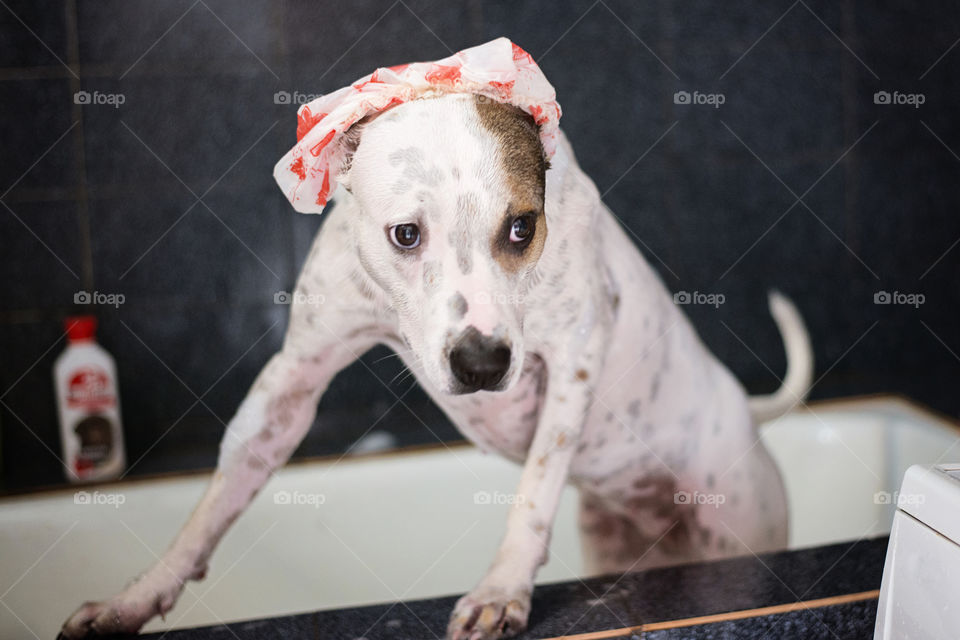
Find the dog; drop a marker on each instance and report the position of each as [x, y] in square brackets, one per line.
[525, 311]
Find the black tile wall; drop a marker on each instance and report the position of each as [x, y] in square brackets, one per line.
[166, 35]
[36, 115]
[166, 247]
[168, 197]
[41, 263]
[31, 440]
[34, 34]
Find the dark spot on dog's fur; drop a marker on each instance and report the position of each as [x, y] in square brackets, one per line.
[582, 375]
[415, 169]
[655, 386]
[256, 463]
[458, 306]
[705, 536]
[283, 406]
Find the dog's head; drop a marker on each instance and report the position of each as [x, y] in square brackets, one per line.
[451, 226]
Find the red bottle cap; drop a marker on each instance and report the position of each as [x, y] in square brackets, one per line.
[81, 327]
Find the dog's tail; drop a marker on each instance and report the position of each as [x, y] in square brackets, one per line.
[796, 342]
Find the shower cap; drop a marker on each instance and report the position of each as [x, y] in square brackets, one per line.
[498, 70]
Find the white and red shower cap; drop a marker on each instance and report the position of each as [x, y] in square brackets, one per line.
[499, 70]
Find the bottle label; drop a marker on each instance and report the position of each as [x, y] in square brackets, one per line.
[89, 389]
[96, 443]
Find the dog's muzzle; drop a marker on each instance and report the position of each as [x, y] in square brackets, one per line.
[478, 361]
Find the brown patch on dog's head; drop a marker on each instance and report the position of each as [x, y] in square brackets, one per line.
[525, 165]
[521, 150]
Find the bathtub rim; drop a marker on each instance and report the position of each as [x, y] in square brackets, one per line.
[897, 400]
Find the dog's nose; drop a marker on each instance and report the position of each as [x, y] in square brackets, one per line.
[479, 361]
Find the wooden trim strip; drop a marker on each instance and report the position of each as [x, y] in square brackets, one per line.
[722, 617]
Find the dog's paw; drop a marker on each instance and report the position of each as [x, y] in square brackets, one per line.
[489, 614]
[105, 618]
[126, 612]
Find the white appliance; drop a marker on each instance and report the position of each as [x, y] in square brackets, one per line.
[920, 592]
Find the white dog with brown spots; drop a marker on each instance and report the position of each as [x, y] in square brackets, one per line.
[529, 316]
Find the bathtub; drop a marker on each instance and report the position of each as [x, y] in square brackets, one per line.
[410, 524]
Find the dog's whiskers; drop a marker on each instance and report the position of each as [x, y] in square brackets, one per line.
[407, 376]
[405, 370]
[398, 354]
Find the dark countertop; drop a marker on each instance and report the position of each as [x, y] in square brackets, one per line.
[827, 592]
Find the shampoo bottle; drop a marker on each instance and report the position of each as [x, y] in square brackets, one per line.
[89, 406]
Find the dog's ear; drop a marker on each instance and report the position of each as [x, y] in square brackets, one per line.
[347, 144]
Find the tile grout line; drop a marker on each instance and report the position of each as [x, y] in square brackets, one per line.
[290, 215]
[848, 73]
[80, 154]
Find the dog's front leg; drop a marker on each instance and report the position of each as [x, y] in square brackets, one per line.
[499, 605]
[267, 427]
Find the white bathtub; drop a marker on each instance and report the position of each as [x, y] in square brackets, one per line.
[405, 525]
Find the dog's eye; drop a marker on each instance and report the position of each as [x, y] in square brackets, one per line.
[405, 236]
[522, 228]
